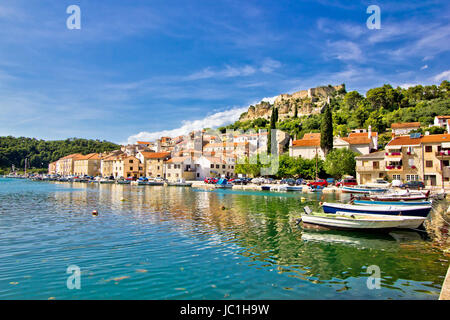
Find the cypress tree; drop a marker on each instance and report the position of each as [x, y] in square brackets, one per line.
[296, 112]
[326, 130]
[273, 121]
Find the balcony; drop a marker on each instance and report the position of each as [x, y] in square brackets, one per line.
[394, 168]
[369, 169]
[443, 154]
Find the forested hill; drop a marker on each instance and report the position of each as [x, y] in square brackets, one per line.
[40, 152]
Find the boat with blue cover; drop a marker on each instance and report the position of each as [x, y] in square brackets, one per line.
[419, 211]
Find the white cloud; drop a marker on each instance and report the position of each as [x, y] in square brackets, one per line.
[269, 65]
[344, 50]
[271, 100]
[211, 121]
[424, 67]
[442, 76]
[407, 85]
[227, 72]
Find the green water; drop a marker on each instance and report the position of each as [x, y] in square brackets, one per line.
[178, 243]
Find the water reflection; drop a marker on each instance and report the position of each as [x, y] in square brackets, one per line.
[169, 230]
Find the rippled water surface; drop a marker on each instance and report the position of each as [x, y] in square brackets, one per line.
[179, 243]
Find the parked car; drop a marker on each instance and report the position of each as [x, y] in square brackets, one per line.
[413, 185]
[210, 180]
[330, 181]
[257, 180]
[319, 182]
[347, 182]
[299, 181]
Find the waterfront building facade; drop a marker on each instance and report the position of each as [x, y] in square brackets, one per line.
[408, 158]
[88, 165]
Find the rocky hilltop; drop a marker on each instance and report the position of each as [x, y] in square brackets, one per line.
[309, 101]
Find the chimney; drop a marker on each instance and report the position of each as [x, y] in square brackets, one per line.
[370, 132]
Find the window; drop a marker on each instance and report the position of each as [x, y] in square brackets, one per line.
[130, 161]
[158, 167]
[198, 175]
[176, 175]
[168, 167]
[131, 168]
[168, 174]
[376, 165]
[140, 168]
[223, 166]
[428, 148]
[212, 166]
[396, 177]
[429, 163]
[217, 166]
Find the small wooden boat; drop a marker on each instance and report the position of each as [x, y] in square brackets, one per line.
[362, 189]
[155, 183]
[266, 187]
[397, 196]
[418, 211]
[360, 221]
[294, 188]
[179, 183]
[371, 202]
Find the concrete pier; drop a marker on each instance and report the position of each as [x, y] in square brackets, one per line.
[445, 292]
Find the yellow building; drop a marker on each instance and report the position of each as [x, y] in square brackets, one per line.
[52, 168]
[65, 165]
[88, 165]
[124, 166]
[154, 163]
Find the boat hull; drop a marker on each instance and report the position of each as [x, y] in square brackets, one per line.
[363, 222]
[417, 211]
[391, 203]
[362, 190]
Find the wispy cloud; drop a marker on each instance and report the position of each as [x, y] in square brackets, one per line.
[211, 121]
[442, 76]
[267, 66]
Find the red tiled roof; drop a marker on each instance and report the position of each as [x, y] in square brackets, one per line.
[404, 140]
[361, 134]
[306, 143]
[403, 125]
[155, 155]
[433, 138]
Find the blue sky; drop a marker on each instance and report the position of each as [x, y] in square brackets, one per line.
[140, 69]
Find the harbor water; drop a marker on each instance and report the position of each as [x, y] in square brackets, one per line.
[155, 242]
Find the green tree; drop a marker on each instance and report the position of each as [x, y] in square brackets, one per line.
[351, 99]
[326, 130]
[340, 162]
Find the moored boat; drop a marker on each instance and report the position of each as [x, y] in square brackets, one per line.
[179, 183]
[372, 202]
[362, 189]
[418, 211]
[397, 196]
[360, 221]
